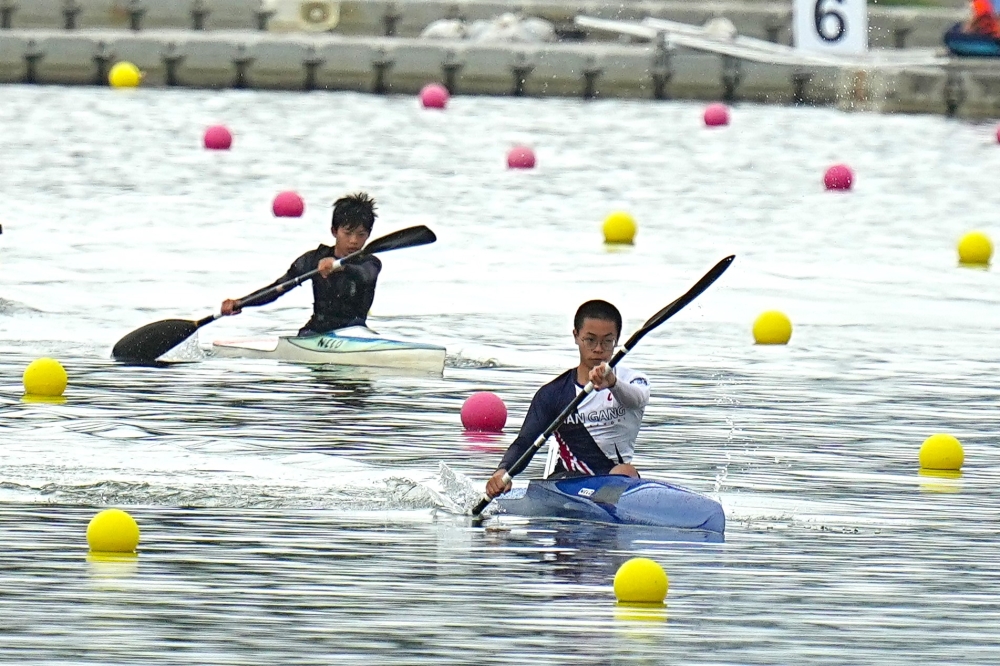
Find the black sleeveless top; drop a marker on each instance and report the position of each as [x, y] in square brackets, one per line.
[344, 298]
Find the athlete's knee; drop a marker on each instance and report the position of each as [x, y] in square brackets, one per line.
[625, 469]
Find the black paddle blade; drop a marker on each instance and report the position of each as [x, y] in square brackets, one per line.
[397, 240]
[146, 344]
[694, 292]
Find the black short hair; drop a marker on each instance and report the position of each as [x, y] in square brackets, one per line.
[598, 310]
[354, 210]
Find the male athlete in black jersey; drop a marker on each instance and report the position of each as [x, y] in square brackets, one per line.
[599, 438]
[342, 295]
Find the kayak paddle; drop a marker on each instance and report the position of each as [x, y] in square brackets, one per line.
[146, 344]
[654, 321]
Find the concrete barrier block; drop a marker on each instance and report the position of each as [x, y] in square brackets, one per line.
[985, 85]
[559, 71]
[154, 14]
[413, 17]
[347, 64]
[220, 14]
[487, 70]
[976, 93]
[416, 63]
[625, 72]
[230, 14]
[224, 14]
[68, 58]
[279, 64]
[696, 75]
[38, 14]
[363, 17]
[822, 85]
[12, 50]
[142, 49]
[921, 91]
[210, 63]
[897, 27]
[762, 82]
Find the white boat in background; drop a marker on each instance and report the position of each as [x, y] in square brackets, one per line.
[719, 36]
[356, 346]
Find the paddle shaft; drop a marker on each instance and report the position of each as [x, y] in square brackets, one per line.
[653, 322]
[257, 296]
[539, 442]
[146, 344]
[396, 240]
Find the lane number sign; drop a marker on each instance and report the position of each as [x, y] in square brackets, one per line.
[831, 26]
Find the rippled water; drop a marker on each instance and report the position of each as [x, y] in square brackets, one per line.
[300, 515]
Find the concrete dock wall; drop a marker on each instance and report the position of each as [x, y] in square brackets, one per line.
[384, 65]
[889, 26]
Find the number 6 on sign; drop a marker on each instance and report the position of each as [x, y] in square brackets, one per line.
[830, 23]
[831, 26]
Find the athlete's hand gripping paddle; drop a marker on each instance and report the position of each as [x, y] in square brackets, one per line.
[654, 321]
[146, 344]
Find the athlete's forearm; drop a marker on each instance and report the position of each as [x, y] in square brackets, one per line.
[630, 396]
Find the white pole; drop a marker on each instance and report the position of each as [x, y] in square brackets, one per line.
[553, 457]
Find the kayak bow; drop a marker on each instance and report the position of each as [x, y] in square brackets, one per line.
[616, 499]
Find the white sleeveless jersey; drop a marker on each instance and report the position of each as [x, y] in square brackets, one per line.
[613, 426]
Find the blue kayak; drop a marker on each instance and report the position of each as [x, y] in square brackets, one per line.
[616, 499]
[969, 44]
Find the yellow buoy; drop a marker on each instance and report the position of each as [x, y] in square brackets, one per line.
[975, 248]
[641, 581]
[941, 452]
[619, 227]
[124, 75]
[772, 328]
[113, 531]
[44, 377]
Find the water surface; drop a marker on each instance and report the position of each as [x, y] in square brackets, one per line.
[300, 515]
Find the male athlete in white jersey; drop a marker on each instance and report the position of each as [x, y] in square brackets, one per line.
[599, 438]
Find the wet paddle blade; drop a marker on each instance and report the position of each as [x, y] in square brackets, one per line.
[397, 240]
[676, 306]
[146, 344]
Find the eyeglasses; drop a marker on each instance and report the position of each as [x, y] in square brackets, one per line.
[593, 343]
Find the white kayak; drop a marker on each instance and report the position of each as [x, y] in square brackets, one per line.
[356, 345]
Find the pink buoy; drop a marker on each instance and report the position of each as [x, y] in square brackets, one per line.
[998, 134]
[838, 177]
[716, 115]
[218, 137]
[521, 157]
[484, 411]
[288, 204]
[434, 96]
